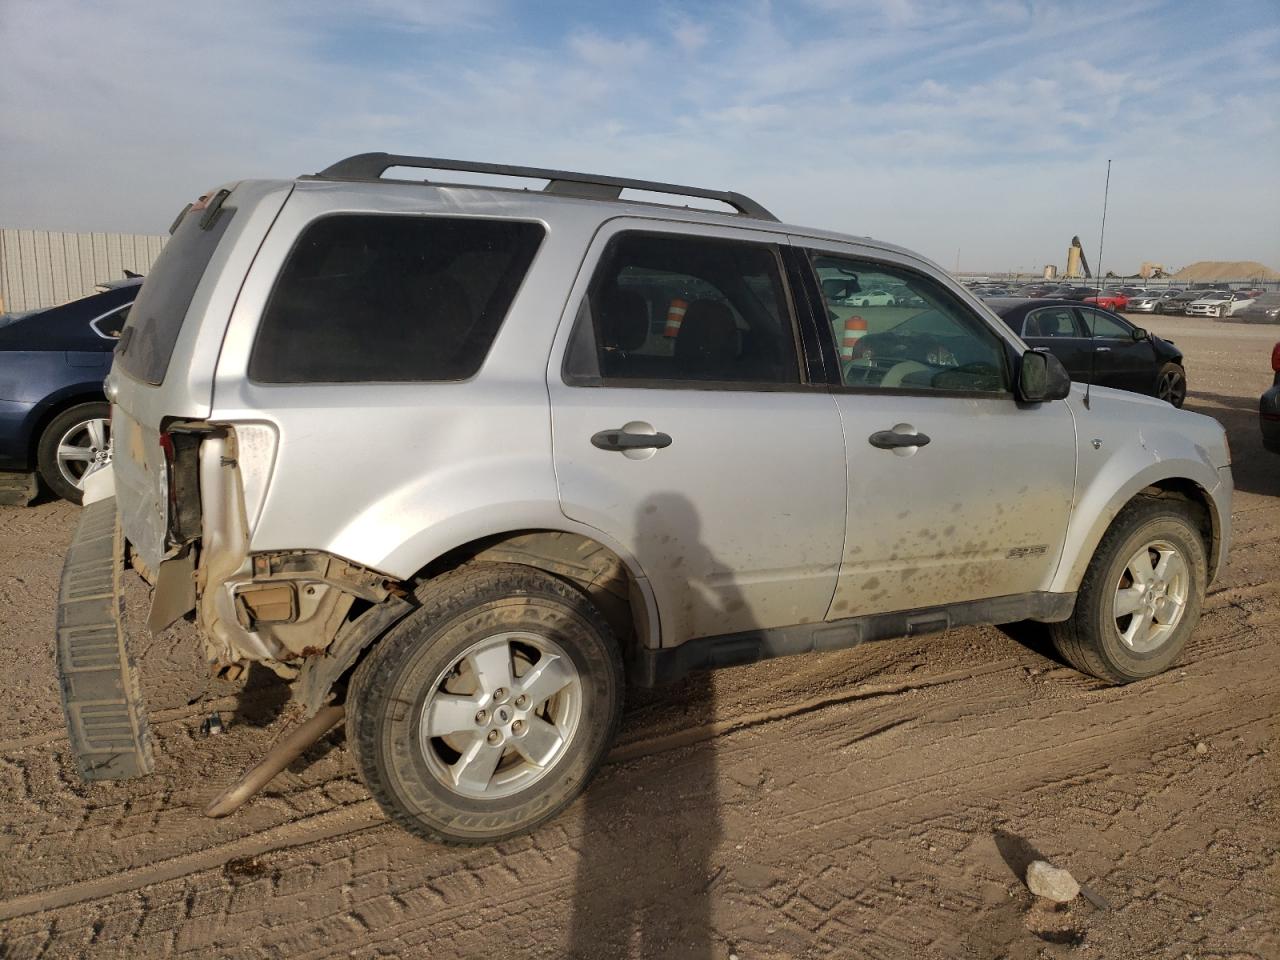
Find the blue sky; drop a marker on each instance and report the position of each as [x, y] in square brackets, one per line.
[981, 127]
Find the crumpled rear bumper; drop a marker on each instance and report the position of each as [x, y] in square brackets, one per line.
[101, 697]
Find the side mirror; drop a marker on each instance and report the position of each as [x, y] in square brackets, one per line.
[1042, 377]
[1140, 334]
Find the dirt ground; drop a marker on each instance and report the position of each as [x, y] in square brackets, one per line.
[869, 803]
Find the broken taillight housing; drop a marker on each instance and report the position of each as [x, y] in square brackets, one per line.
[181, 446]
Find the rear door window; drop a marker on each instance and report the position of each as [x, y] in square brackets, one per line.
[665, 309]
[147, 341]
[376, 297]
[1050, 322]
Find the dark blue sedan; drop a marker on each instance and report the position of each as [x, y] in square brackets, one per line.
[54, 418]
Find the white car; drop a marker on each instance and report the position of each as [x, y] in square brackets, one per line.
[872, 298]
[1218, 303]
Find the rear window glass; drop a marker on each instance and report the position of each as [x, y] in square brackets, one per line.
[379, 297]
[146, 344]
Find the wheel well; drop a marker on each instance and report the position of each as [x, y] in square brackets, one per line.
[1191, 492]
[592, 567]
[66, 403]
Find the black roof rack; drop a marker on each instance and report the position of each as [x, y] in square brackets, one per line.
[371, 166]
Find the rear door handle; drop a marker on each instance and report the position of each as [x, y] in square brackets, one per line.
[892, 439]
[1101, 349]
[620, 439]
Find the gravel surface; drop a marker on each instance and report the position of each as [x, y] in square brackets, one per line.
[878, 802]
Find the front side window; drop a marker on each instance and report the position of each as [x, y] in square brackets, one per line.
[898, 329]
[667, 308]
[1050, 322]
[1106, 327]
[365, 298]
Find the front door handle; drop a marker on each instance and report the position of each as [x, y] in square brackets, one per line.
[620, 439]
[895, 439]
[1101, 349]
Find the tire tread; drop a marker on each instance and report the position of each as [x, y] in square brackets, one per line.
[440, 599]
[1073, 637]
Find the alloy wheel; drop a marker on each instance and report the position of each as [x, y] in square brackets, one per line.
[1172, 388]
[84, 449]
[1151, 596]
[501, 716]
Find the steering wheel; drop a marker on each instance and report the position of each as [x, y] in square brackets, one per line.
[894, 376]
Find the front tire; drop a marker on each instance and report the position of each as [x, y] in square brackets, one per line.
[1140, 597]
[488, 709]
[1171, 384]
[74, 445]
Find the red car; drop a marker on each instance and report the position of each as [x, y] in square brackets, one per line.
[1110, 300]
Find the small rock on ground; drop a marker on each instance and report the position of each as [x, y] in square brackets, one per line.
[1052, 883]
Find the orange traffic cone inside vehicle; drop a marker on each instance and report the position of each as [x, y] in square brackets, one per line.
[675, 317]
[854, 328]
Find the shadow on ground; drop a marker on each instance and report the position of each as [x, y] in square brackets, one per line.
[1254, 468]
[645, 875]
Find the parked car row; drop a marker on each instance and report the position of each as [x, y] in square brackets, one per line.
[1132, 299]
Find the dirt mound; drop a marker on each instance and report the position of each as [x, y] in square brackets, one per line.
[1226, 270]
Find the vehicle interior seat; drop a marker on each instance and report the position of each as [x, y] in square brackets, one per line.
[437, 322]
[707, 346]
[624, 328]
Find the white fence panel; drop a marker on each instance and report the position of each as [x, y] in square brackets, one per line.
[43, 268]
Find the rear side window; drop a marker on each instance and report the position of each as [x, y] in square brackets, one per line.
[146, 343]
[1050, 322]
[377, 297]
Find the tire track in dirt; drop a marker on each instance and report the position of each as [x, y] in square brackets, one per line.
[319, 827]
[156, 717]
[354, 818]
[637, 749]
[333, 823]
[918, 803]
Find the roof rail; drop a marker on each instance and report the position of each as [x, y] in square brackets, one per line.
[371, 166]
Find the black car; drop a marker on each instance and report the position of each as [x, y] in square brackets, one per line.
[1080, 293]
[1098, 344]
[1269, 407]
[1178, 303]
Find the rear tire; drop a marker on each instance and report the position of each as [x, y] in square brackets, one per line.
[1111, 645]
[84, 429]
[453, 728]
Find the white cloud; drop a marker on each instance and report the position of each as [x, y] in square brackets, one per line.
[606, 53]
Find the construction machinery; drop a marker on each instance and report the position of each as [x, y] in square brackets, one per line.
[1076, 261]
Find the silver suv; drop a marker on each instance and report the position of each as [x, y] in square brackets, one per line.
[459, 462]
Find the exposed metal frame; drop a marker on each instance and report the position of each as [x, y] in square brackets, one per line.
[591, 186]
